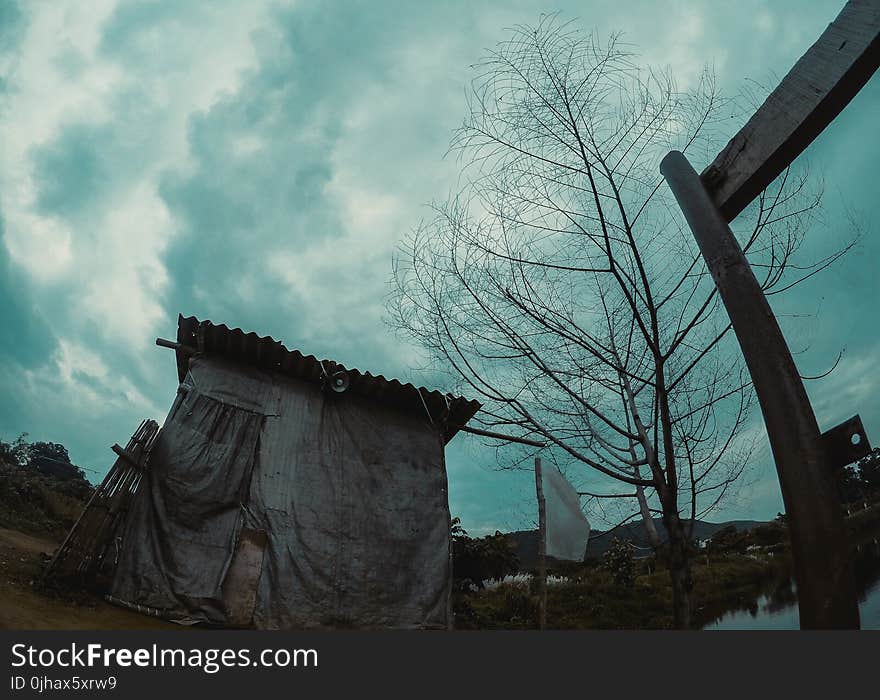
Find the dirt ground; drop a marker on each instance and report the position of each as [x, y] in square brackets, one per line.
[24, 607]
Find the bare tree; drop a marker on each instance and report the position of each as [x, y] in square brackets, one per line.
[562, 287]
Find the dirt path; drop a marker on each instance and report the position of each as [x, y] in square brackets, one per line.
[22, 558]
[14, 539]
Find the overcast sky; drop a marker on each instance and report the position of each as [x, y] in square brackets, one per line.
[255, 163]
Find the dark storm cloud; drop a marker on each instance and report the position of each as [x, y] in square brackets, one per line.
[26, 339]
[256, 163]
[255, 215]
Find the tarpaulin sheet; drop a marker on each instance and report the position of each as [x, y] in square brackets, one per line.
[567, 529]
[351, 496]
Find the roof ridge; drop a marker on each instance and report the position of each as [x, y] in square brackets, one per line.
[265, 352]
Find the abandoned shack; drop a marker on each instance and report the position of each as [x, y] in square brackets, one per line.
[287, 492]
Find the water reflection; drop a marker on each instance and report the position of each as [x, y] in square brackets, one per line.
[775, 605]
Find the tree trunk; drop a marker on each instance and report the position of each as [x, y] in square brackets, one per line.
[679, 571]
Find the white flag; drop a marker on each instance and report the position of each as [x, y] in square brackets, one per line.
[567, 528]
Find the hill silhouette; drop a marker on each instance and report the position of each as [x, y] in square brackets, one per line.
[526, 541]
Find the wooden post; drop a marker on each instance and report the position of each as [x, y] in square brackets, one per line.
[813, 93]
[542, 548]
[823, 570]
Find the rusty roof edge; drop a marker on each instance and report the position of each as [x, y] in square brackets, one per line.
[460, 409]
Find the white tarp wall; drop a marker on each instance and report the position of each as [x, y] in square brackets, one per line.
[270, 502]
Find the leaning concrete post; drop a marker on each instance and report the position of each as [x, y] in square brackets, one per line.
[822, 565]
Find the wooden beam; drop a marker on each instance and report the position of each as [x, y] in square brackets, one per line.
[174, 345]
[126, 456]
[813, 93]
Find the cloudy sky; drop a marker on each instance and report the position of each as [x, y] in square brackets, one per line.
[255, 163]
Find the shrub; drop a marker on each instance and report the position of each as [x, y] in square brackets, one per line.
[475, 560]
[618, 560]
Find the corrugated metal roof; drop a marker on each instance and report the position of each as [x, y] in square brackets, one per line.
[269, 354]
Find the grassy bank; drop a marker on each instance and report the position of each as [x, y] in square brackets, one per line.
[588, 597]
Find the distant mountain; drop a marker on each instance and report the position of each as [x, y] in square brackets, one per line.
[526, 541]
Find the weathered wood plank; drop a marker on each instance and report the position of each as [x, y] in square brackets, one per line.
[814, 92]
[240, 585]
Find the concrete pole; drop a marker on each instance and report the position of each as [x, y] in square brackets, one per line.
[822, 565]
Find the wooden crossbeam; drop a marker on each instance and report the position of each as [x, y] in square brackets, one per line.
[813, 93]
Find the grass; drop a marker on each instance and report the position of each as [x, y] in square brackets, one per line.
[591, 599]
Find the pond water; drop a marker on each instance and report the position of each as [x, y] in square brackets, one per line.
[776, 608]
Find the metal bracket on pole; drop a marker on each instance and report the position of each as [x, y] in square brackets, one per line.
[820, 551]
[846, 443]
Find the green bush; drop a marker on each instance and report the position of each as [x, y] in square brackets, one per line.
[618, 560]
[475, 560]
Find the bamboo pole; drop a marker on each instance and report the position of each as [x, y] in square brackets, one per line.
[83, 550]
